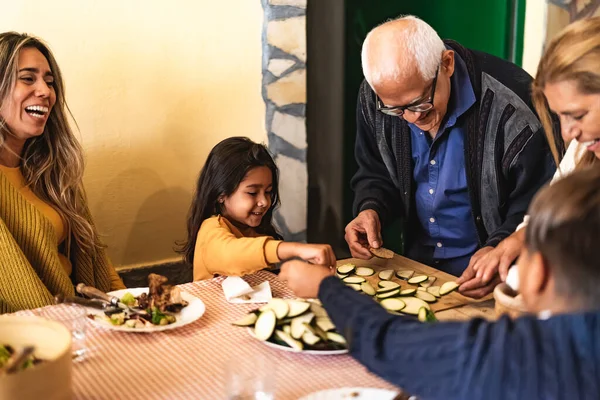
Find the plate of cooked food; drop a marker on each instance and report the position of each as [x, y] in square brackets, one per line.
[155, 308]
[294, 325]
[353, 394]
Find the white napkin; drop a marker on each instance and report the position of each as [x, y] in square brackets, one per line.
[238, 290]
[512, 278]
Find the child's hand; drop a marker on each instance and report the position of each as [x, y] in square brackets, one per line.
[314, 253]
[303, 278]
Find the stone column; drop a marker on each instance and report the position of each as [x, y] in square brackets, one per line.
[284, 93]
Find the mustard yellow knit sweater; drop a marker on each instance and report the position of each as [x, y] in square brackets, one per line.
[31, 273]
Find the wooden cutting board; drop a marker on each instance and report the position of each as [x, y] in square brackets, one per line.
[449, 301]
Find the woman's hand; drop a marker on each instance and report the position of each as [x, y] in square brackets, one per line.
[303, 278]
[314, 253]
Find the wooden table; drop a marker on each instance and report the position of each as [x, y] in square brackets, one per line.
[463, 307]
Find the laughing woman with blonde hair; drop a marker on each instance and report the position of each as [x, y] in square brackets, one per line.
[568, 83]
[48, 242]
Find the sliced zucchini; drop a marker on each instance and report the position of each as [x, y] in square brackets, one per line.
[341, 276]
[448, 287]
[290, 341]
[424, 295]
[297, 307]
[325, 324]
[418, 279]
[426, 315]
[413, 305]
[391, 293]
[298, 326]
[421, 289]
[247, 320]
[408, 292]
[428, 282]
[265, 325]
[310, 338]
[434, 290]
[318, 310]
[280, 306]
[346, 269]
[287, 329]
[317, 331]
[354, 279]
[387, 286]
[386, 275]
[336, 337]
[364, 271]
[393, 304]
[355, 286]
[367, 288]
[405, 274]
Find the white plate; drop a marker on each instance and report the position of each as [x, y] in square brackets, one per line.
[286, 348]
[194, 310]
[351, 394]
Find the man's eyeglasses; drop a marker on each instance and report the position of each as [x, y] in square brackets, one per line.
[398, 111]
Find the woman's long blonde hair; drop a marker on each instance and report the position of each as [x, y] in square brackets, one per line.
[573, 55]
[51, 163]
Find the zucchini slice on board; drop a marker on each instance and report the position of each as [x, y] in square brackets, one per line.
[297, 307]
[413, 305]
[346, 269]
[354, 279]
[279, 306]
[341, 276]
[421, 289]
[336, 337]
[265, 325]
[418, 279]
[367, 288]
[247, 320]
[448, 287]
[434, 290]
[393, 304]
[355, 286]
[391, 293]
[325, 324]
[290, 341]
[386, 275]
[364, 271]
[424, 295]
[310, 338]
[428, 282]
[387, 285]
[405, 274]
[426, 315]
[408, 292]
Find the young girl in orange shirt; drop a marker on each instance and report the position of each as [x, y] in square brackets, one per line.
[230, 230]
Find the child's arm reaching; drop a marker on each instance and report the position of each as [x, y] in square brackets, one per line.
[219, 251]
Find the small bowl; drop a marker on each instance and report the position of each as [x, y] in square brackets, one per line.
[508, 302]
[51, 379]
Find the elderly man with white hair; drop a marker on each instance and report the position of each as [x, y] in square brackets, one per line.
[447, 141]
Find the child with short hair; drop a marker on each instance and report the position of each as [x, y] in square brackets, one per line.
[230, 230]
[552, 354]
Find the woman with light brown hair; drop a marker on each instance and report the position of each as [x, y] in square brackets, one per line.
[48, 242]
[568, 83]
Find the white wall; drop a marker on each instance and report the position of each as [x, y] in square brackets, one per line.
[153, 86]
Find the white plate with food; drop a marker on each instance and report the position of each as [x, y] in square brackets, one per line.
[294, 325]
[190, 308]
[352, 394]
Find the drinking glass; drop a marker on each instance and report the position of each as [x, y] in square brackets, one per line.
[74, 318]
[250, 379]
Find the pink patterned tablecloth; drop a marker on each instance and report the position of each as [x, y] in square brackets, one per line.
[190, 362]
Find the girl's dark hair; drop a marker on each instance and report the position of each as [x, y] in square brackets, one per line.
[226, 166]
[564, 226]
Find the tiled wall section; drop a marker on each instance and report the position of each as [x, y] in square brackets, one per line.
[284, 93]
